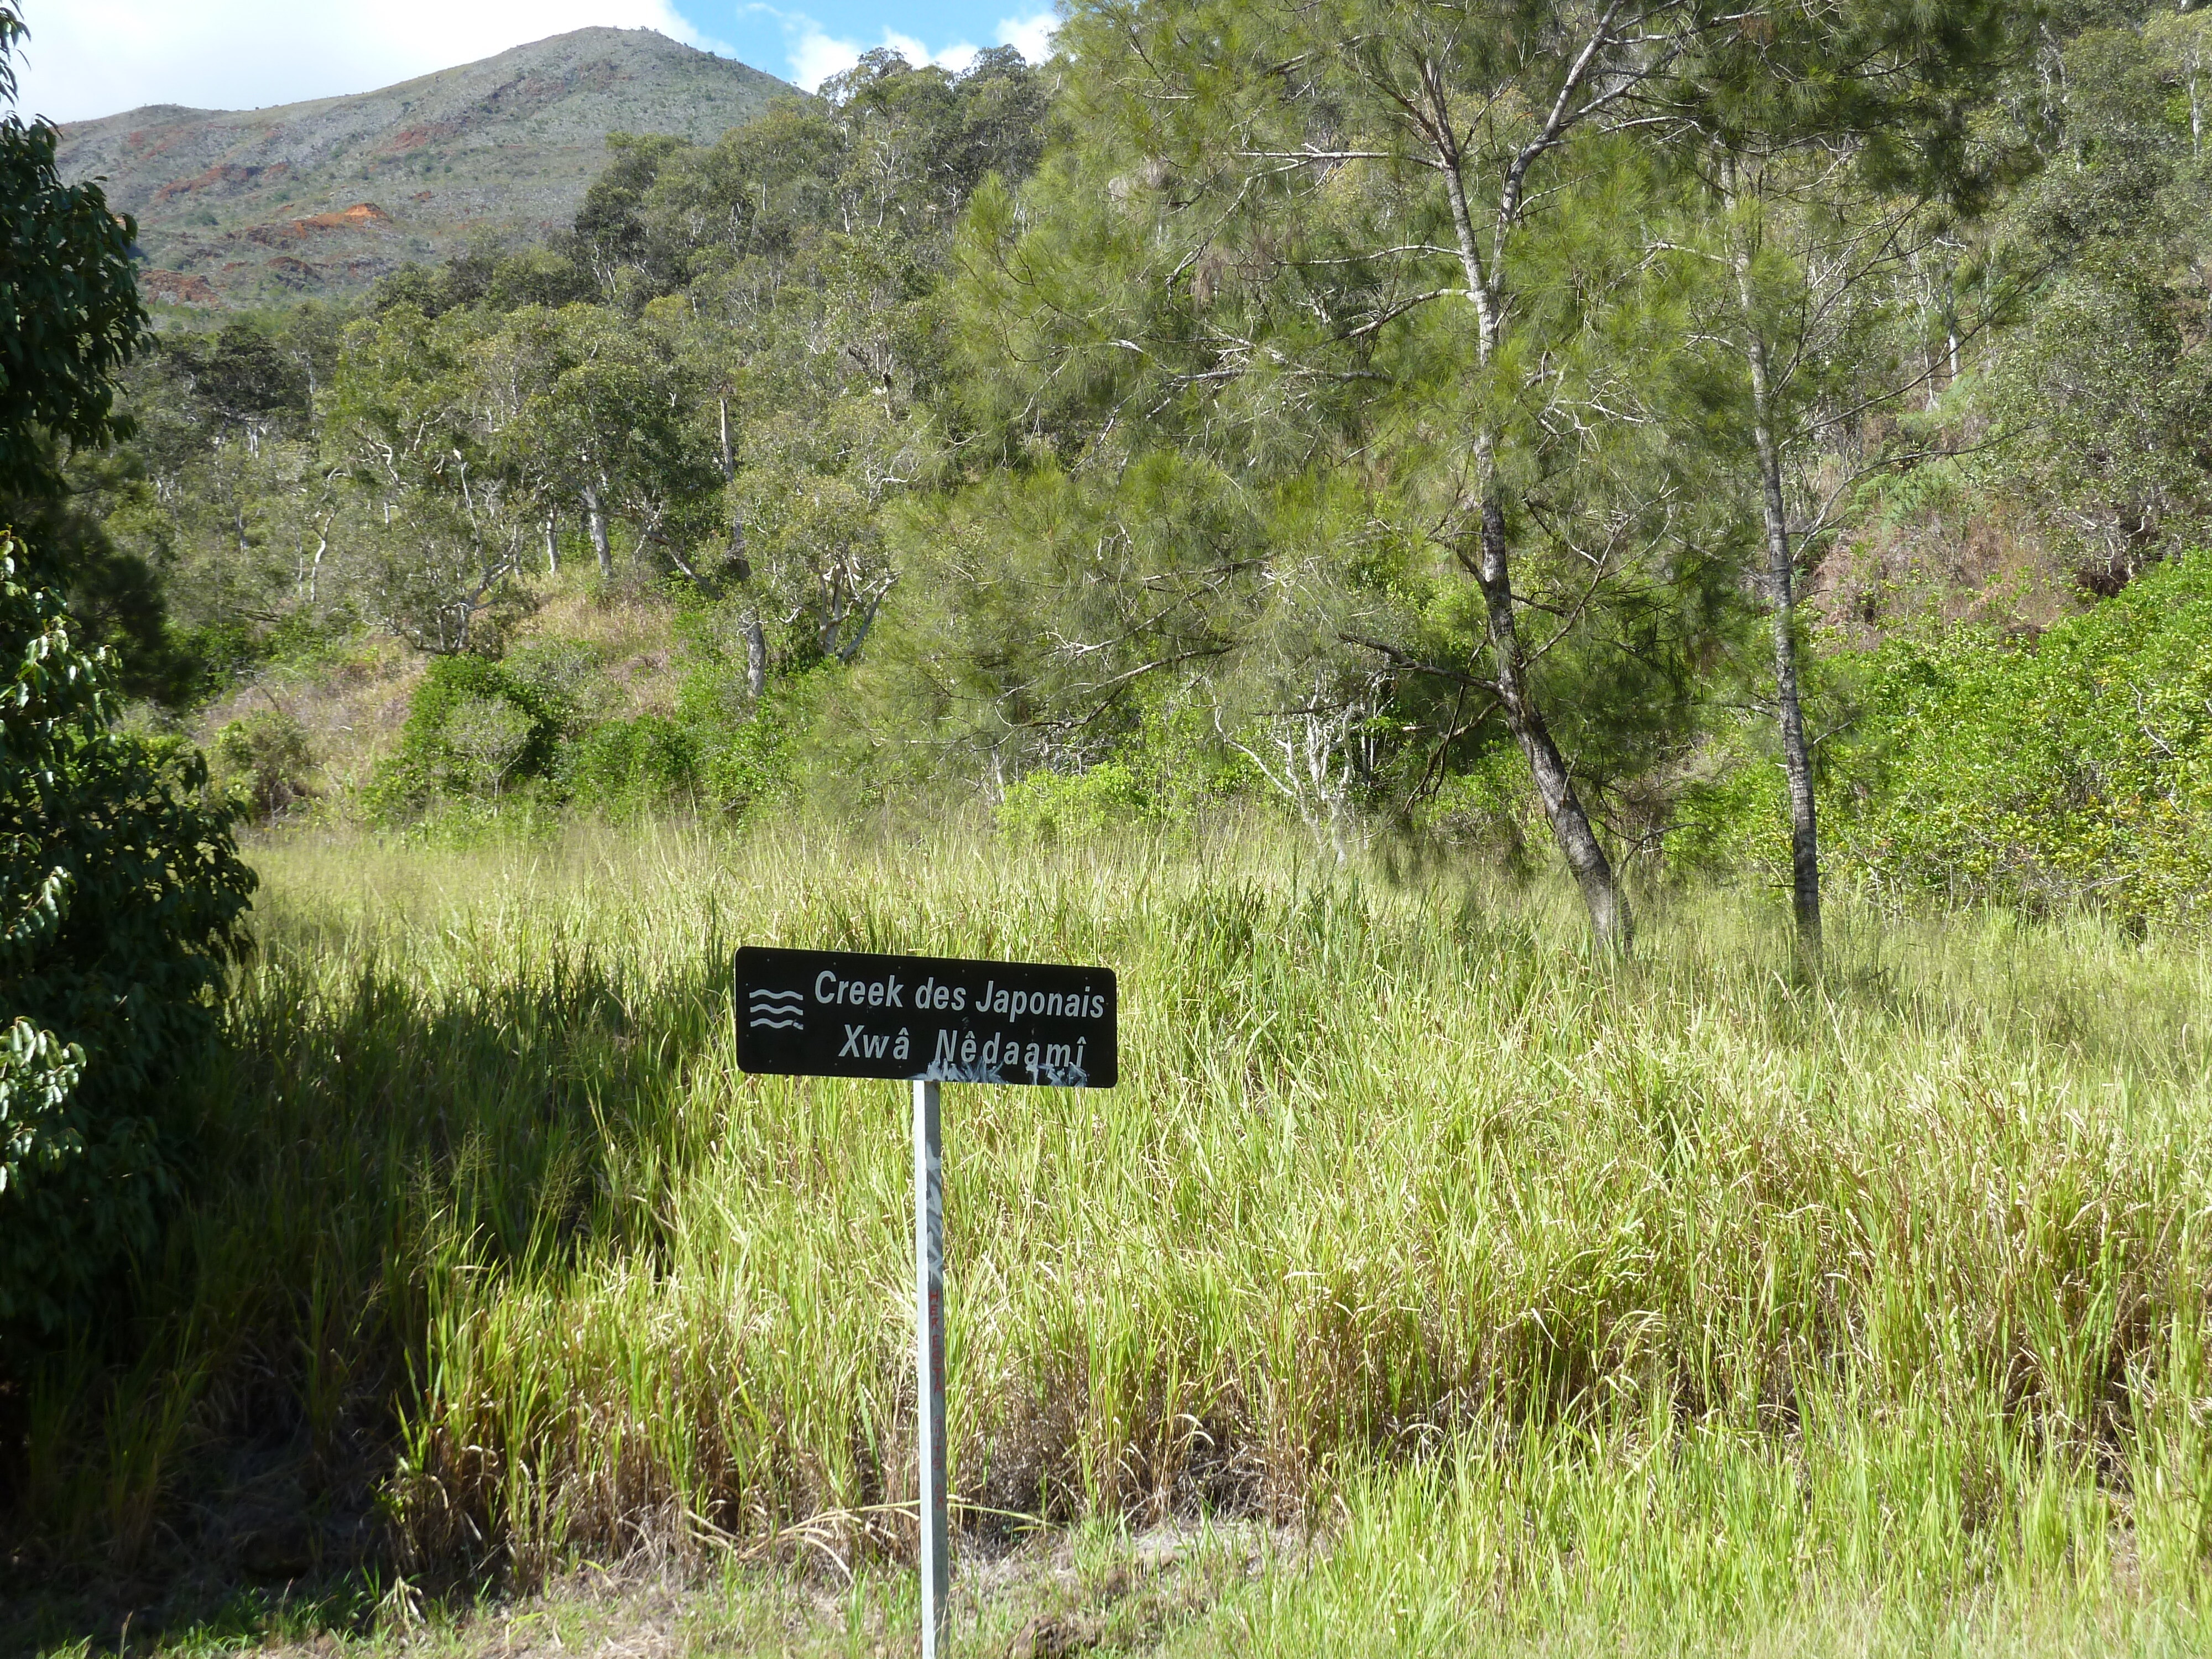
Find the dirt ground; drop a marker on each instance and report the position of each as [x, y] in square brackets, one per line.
[1092, 1591]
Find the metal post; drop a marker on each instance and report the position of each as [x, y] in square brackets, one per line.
[929, 1361]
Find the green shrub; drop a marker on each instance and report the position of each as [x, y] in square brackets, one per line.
[485, 740]
[627, 766]
[1491, 808]
[567, 675]
[261, 759]
[122, 902]
[1046, 807]
[749, 751]
[2072, 768]
[473, 729]
[1171, 765]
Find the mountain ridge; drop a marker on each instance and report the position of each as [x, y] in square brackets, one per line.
[321, 196]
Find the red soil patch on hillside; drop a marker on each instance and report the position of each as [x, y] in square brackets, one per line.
[415, 137]
[235, 175]
[174, 287]
[362, 216]
[358, 216]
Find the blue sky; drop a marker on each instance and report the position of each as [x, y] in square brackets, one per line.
[91, 57]
[796, 42]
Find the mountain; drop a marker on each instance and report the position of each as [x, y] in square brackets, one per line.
[246, 207]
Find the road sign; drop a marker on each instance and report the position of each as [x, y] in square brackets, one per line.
[931, 1020]
[840, 1013]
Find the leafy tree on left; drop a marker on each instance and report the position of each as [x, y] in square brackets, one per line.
[122, 898]
[70, 319]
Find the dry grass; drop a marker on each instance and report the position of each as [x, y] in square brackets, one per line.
[350, 706]
[633, 637]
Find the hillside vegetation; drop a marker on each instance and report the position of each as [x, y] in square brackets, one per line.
[980, 436]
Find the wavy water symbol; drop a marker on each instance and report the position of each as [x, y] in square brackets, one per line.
[779, 1011]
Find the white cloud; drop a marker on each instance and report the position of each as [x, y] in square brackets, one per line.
[954, 58]
[816, 54]
[814, 57]
[1032, 36]
[90, 58]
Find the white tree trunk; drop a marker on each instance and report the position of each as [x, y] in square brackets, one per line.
[1796, 756]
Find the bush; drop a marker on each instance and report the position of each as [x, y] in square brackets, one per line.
[749, 750]
[473, 729]
[2073, 768]
[629, 766]
[261, 759]
[122, 906]
[1491, 808]
[485, 740]
[1046, 807]
[567, 675]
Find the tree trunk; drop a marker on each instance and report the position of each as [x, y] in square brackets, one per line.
[1796, 759]
[741, 569]
[595, 521]
[552, 547]
[756, 654]
[1593, 874]
[1571, 826]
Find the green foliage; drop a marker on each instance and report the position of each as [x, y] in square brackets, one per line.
[489, 742]
[1243, 408]
[2074, 769]
[1015, 417]
[473, 728]
[2077, 770]
[2108, 376]
[121, 895]
[626, 766]
[69, 314]
[114, 590]
[122, 901]
[262, 760]
[750, 752]
[1048, 807]
[218, 520]
[1491, 808]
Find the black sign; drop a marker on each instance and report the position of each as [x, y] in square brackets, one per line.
[838, 1013]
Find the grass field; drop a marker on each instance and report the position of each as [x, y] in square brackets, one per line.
[1478, 1295]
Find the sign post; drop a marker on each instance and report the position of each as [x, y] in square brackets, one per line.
[929, 1020]
[936, 1561]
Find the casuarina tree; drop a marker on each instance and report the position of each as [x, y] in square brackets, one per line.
[1824, 139]
[1402, 221]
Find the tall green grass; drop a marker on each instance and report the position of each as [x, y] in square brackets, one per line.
[1689, 1293]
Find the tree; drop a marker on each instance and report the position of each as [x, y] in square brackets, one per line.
[121, 908]
[2108, 385]
[1394, 233]
[69, 319]
[120, 896]
[70, 312]
[1820, 178]
[447, 526]
[789, 270]
[588, 400]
